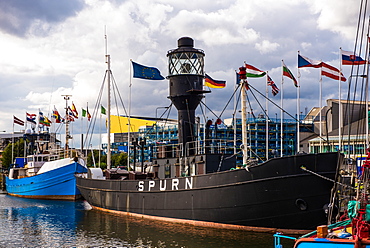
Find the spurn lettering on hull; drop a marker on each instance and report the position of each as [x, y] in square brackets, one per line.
[172, 184]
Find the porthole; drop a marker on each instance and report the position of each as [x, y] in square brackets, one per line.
[301, 204]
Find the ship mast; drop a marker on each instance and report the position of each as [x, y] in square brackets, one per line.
[243, 84]
[107, 57]
[108, 113]
[68, 136]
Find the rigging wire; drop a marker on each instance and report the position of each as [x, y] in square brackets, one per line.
[358, 40]
[263, 110]
[91, 125]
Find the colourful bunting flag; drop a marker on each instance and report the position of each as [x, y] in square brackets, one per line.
[43, 120]
[103, 111]
[88, 114]
[56, 116]
[31, 118]
[74, 110]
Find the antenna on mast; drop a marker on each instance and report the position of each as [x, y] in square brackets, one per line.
[108, 73]
[106, 40]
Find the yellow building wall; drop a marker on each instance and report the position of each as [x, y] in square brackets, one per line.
[119, 124]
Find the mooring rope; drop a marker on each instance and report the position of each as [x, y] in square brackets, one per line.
[326, 178]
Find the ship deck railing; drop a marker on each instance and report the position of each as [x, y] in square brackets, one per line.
[51, 155]
[208, 146]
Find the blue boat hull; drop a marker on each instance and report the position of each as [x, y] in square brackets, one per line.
[330, 243]
[57, 184]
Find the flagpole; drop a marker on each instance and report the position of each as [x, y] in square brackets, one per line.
[367, 105]
[281, 110]
[67, 120]
[82, 135]
[71, 131]
[87, 126]
[340, 103]
[234, 115]
[298, 116]
[128, 120]
[13, 141]
[320, 103]
[99, 137]
[38, 123]
[267, 133]
[25, 145]
[109, 106]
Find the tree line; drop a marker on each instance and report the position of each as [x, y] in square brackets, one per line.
[9, 154]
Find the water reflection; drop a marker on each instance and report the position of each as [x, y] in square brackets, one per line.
[35, 223]
[28, 222]
[108, 229]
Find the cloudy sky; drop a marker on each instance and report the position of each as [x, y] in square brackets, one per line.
[54, 48]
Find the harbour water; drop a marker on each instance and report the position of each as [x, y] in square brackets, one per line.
[45, 223]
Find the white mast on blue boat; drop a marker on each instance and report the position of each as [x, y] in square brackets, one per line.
[68, 136]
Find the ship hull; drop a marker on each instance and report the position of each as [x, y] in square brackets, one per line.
[275, 194]
[57, 184]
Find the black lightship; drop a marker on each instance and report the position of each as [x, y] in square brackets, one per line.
[196, 183]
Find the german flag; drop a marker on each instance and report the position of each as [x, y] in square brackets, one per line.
[210, 82]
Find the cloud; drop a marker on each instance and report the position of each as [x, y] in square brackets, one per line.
[21, 17]
[266, 46]
[337, 16]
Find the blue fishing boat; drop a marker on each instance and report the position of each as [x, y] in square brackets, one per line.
[49, 171]
[43, 178]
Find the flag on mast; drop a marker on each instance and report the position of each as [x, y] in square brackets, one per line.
[71, 113]
[306, 62]
[74, 110]
[350, 58]
[274, 89]
[103, 110]
[18, 121]
[56, 116]
[332, 72]
[212, 83]
[253, 71]
[43, 120]
[83, 113]
[31, 118]
[88, 114]
[146, 72]
[289, 74]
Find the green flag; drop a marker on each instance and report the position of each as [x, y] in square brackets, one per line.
[103, 111]
[83, 113]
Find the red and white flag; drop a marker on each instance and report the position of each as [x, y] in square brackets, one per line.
[18, 121]
[331, 72]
